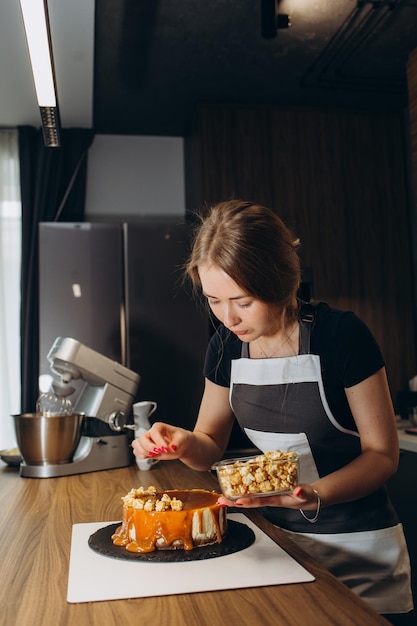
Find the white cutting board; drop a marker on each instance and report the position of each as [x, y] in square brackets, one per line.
[94, 577]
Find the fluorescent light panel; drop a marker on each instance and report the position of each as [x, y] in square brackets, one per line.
[35, 21]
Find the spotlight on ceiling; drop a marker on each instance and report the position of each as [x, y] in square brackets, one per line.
[271, 20]
[36, 21]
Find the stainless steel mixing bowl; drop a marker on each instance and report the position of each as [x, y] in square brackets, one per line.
[47, 440]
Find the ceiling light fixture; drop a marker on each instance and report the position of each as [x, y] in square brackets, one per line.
[36, 21]
[271, 20]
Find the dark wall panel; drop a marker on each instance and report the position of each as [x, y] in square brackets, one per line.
[339, 180]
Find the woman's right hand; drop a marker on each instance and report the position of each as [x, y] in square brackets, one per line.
[162, 441]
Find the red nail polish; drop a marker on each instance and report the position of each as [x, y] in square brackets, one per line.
[173, 447]
[164, 449]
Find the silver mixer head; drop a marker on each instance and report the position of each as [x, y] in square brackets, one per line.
[108, 386]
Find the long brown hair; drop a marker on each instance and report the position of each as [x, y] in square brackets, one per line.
[254, 247]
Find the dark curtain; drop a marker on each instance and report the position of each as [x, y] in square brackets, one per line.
[53, 184]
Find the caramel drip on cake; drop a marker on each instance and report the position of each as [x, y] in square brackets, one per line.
[200, 522]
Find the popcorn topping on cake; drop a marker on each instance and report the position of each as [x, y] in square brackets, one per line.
[148, 500]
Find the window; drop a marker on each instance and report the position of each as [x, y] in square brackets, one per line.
[10, 263]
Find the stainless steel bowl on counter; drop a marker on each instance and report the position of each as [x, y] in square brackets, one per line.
[47, 440]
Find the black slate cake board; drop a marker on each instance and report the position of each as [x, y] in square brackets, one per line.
[238, 537]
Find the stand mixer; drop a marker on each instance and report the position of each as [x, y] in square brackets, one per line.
[105, 401]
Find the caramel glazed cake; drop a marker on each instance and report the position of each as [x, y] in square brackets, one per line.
[170, 520]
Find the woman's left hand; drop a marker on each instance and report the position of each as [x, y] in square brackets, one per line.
[302, 497]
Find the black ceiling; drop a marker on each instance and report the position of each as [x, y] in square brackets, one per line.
[155, 60]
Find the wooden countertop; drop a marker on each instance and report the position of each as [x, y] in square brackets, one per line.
[35, 539]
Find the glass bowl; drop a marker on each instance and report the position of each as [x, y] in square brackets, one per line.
[267, 474]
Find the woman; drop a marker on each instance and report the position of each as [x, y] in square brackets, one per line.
[303, 377]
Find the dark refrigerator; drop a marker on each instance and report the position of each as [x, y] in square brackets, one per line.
[117, 288]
